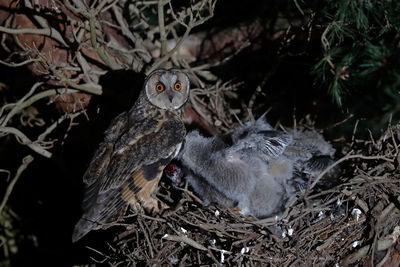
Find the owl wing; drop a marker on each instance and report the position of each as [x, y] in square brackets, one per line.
[126, 169]
[272, 143]
[268, 144]
[102, 156]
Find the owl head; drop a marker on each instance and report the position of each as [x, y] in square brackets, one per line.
[167, 89]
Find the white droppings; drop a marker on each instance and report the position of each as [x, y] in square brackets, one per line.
[283, 234]
[217, 213]
[356, 213]
[164, 236]
[355, 243]
[213, 242]
[223, 255]
[183, 230]
[290, 231]
[321, 214]
[244, 250]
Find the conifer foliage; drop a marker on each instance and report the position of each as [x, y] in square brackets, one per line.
[361, 48]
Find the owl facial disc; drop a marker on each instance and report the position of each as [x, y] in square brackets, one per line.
[167, 89]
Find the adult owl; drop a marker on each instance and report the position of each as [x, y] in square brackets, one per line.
[138, 144]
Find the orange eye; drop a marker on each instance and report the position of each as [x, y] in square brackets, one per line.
[160, 87]
[178, 86]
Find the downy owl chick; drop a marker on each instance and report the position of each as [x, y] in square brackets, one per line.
[257, 171]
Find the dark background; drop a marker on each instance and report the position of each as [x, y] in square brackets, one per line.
[47, 196]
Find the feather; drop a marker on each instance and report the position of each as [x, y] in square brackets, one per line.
[259, 170]
[126, 168]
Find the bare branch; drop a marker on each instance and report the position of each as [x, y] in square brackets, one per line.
[23, 63]
[46, 32]
[58, 122]
[344, 159]
[91, 17]
[25, 162]
[26, 103]
[23, 139]
[17, 106]
[184, 239]
[43, 23]
[194, 21]
[163, 59]
[161, 24]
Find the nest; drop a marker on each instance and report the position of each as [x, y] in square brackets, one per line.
[355, 221]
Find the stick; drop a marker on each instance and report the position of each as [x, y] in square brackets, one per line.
[343, 159]
[184, 239]
[23, 139]
[25, 162]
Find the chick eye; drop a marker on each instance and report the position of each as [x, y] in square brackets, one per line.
[160, 87]
[178, 86]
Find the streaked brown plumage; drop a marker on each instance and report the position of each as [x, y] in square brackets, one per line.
[138, 144]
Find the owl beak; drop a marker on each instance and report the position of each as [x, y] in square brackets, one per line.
[170, 96]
